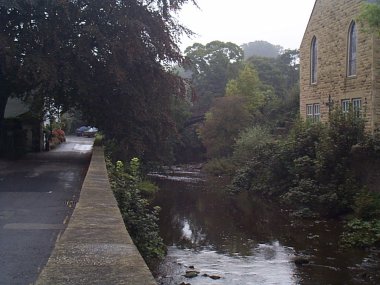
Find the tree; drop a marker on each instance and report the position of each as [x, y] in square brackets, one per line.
[261, 49]
[248, 86]
[225, 120]
[282, 73]
[212, 66]
[110, 59]
[370, 14]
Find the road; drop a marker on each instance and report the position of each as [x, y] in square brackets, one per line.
[37, 196]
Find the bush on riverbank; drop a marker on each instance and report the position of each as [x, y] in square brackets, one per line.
[140, 218]
[260, 168]
[312, 171]
[309, 170]
[363, 227]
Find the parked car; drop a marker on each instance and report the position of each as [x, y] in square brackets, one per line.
[80, 131]
[91, 132]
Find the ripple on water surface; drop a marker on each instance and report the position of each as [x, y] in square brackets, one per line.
[246, 240]
[268, 264]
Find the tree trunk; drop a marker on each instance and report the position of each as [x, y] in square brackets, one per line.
[4, 94]
[3, 104]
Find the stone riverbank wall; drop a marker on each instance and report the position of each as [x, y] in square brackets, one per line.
[96, 248]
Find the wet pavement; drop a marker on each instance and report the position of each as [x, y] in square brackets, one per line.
[37, 196]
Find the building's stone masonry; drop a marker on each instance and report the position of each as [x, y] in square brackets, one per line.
[329, 23]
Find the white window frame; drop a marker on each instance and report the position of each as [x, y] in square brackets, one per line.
[317, 112]
[353, 105]
[357, 106]
[346, 105]
[313, 112]
[309, 112]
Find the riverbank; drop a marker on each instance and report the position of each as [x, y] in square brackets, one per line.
[243, 239]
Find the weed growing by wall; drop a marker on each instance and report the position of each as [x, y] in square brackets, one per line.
[141, 219]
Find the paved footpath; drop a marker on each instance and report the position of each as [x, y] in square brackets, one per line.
[37, 196]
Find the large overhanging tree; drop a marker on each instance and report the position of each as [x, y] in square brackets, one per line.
[108, 58]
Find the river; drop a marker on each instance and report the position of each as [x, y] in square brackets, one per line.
[223, 239]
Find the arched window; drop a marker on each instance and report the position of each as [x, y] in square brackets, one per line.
[352, 44]
[313, 60]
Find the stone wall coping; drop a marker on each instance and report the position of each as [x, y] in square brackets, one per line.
[96, 248]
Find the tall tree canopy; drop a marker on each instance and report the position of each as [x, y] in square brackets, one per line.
[227, 117]
[248, 85]
[282, 73]
[262, 49]
[109, 58]
[212, 66]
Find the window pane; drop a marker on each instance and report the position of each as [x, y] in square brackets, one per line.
[352, 50]
[345, 106]
[309, 111]
[317, 112]
[314, 60]
[357, 106]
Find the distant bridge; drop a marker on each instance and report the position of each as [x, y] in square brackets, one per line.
[193, 120]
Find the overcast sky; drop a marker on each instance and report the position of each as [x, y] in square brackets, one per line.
[279, 22]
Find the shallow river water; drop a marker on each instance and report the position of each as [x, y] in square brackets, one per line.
[242, 240]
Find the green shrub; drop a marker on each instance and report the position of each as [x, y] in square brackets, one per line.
[225, 120]
[251, 143]
[98, 139]
[367, 205]
[304, 195]
[310, 170]
[139, 217]
[260, 166]
[242, 179]
[363, 229]
[360, 233]
[147, 188]
[219, 166]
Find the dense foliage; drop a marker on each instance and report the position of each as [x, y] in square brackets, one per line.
[208, 70]
[247, 85]
[224, 121]
[371, 15]
[282, 74]
[363, 228]
[261, 49]
[212, 66]
[141, 219]
[263, 93]
[98, 57]
[310, 170]
[243, 103]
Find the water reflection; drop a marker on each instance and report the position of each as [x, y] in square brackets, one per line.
[248, 241]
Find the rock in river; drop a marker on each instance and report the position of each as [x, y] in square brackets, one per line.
[191, 273]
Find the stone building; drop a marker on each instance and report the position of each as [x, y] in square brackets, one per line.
[22, 131]
[339, 63]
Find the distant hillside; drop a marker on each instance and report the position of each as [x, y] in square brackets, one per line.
[261, 48]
